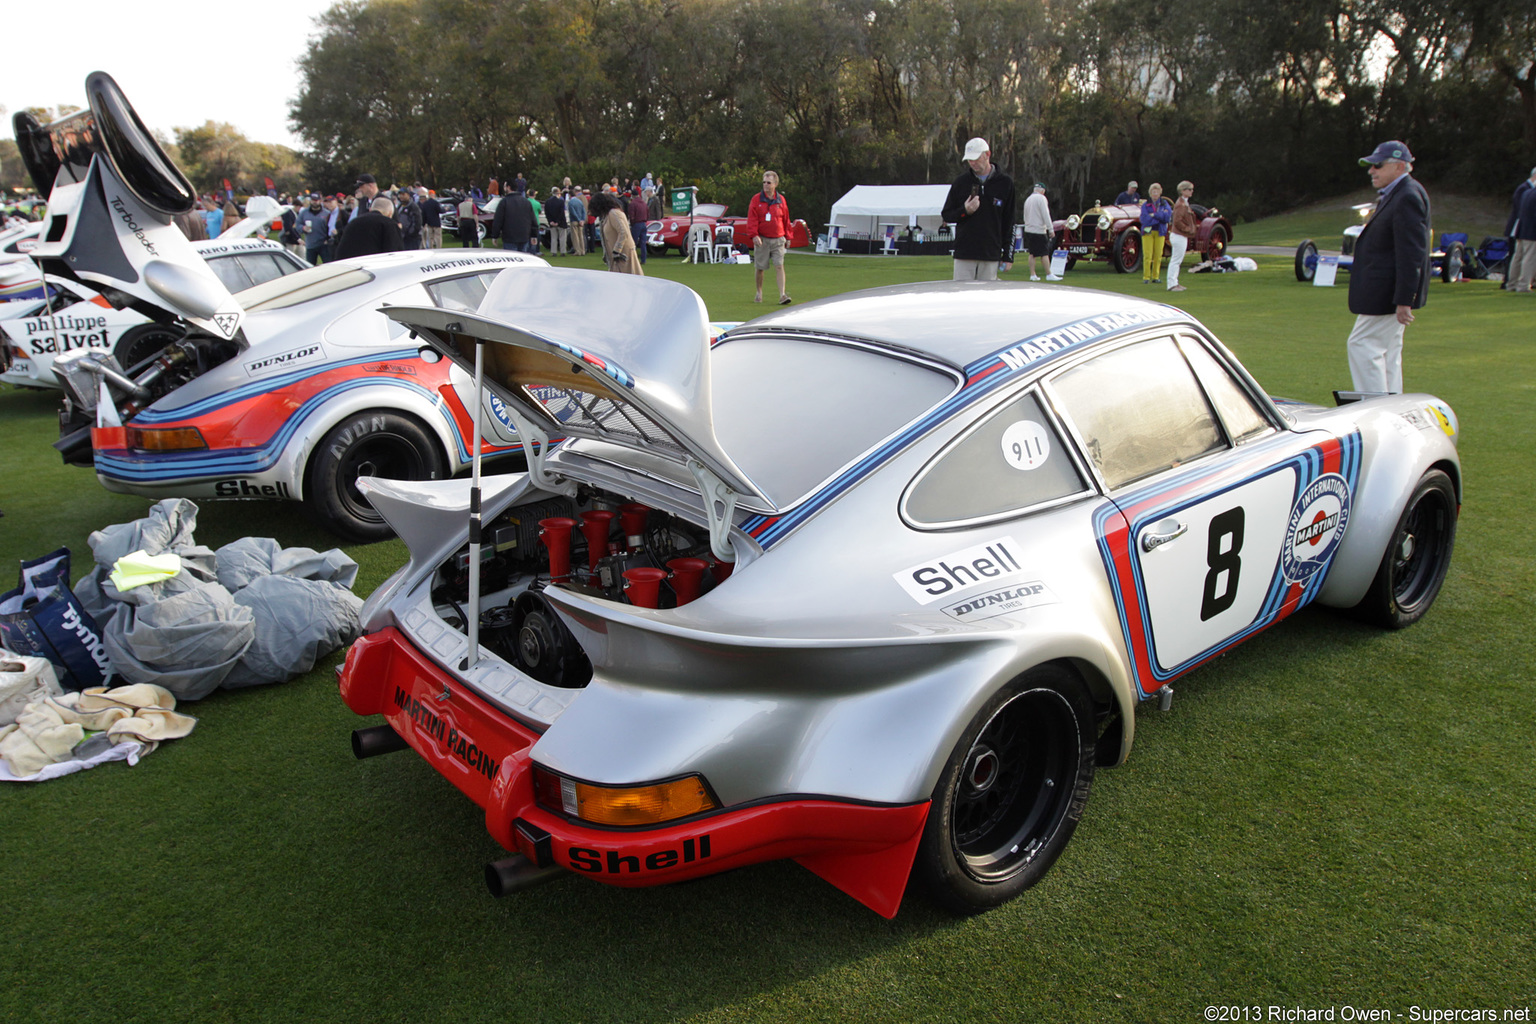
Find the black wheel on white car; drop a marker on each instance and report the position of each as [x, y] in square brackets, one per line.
[373, 443]
[143, 343]
[1417, 557]
[1011, 794]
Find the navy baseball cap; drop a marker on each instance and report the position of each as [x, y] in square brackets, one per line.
[1387, 151]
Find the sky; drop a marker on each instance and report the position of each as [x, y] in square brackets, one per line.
[179, 63]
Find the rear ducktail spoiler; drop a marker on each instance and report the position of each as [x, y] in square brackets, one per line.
[112, 193]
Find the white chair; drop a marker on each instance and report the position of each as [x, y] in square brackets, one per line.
[725, 244]
[700, 245]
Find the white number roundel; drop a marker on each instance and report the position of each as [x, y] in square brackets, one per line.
[1026, 445]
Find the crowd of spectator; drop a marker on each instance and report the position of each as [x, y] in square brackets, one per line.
[561, 221]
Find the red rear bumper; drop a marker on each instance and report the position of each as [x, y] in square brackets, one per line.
[864, 850]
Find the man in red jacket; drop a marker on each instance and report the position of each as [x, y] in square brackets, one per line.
[768, 217]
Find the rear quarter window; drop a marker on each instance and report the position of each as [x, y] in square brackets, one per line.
[1011, 460]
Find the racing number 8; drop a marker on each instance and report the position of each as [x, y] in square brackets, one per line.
[1228, 524]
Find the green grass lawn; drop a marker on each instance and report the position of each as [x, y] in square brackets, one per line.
[1329, 816]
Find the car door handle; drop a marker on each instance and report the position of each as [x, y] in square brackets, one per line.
[1167, 530]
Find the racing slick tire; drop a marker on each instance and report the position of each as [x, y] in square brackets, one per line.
[142, 343]
[1011, 793]
[1306, 260]
[1127, 252]
[1415, 562]
[369, 443]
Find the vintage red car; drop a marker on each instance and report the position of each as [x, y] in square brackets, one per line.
[1113, 234]
[673, 230]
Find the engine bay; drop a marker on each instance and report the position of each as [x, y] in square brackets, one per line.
[596, 544]
[161, 370]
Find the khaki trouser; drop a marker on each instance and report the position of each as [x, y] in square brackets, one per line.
[1522, 266]
[1376, 354]
[975, 270]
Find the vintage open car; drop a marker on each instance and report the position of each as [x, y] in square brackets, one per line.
[1452, 259]
[1112, 234]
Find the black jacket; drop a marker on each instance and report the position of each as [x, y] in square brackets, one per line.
[1525, 227]
[986, 234]
[1514, 207]
[1391, 265]
[431, 213]
[367, 234]
[514, 222]
[408, 216]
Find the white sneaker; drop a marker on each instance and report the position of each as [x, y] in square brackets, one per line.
[1034, 277]
[1053, 277]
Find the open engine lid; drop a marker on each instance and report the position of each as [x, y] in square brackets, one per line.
[588, 354]
[112, 192]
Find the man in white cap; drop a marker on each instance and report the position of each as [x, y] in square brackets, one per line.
[1389, 278]
[980, 205]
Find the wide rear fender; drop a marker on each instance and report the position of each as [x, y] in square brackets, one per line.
[1404, 437]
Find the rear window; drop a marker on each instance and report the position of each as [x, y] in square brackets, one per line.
[793, 411]
[306, 285]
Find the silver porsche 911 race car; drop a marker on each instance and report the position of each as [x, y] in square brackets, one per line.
[874, 583]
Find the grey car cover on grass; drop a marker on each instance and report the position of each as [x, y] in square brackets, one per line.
[249, 613]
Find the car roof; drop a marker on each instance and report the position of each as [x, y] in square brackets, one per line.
[956, 322]
[381, 272]
[211, 247]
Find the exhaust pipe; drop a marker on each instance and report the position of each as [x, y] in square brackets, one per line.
[517, 872]
[379, 739]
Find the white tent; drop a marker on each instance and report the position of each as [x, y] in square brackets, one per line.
[867, 209]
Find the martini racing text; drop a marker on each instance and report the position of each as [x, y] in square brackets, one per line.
[459, 745]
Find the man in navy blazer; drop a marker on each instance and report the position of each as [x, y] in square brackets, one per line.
[1390, 275]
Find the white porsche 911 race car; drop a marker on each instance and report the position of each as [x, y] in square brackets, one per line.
[34, 331]
[289, 389]
[889, 635]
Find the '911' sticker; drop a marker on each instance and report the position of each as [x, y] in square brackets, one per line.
[1026, 445]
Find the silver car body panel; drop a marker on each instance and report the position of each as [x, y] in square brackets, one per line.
[654, 359]
[847, 655]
